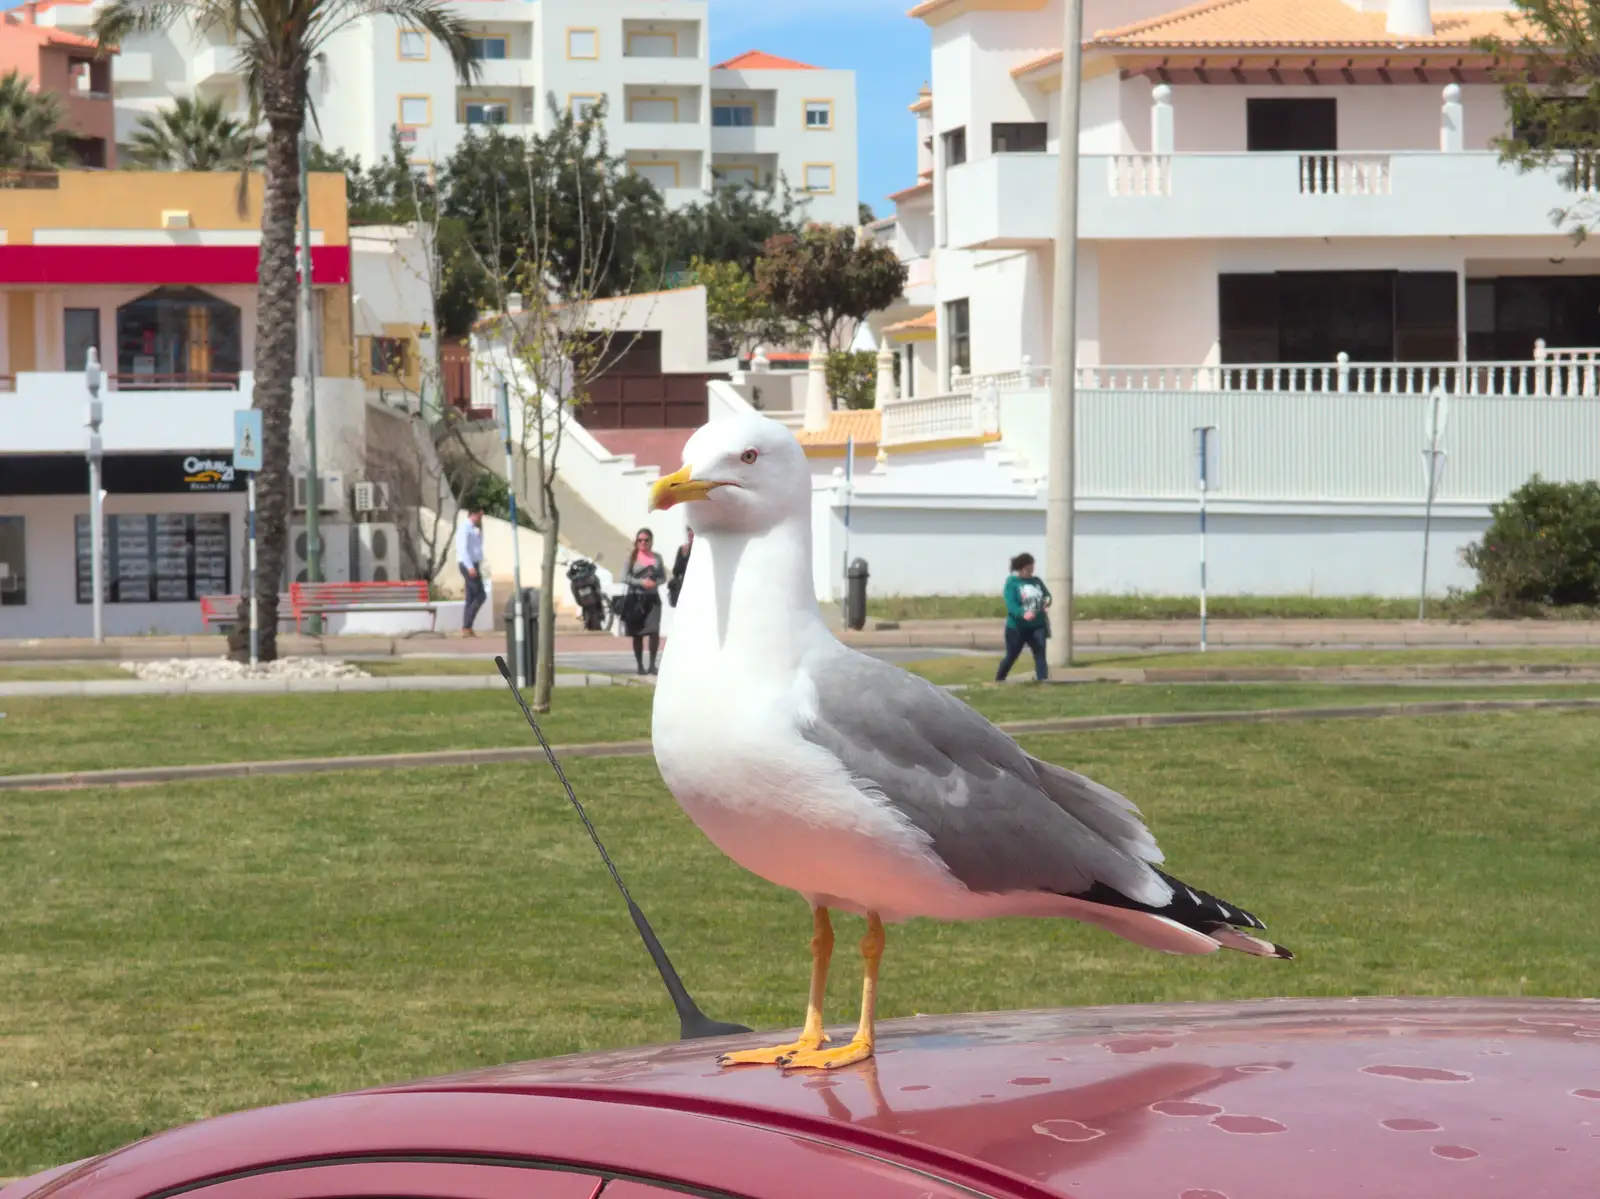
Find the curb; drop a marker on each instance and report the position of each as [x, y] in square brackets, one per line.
[145, 775]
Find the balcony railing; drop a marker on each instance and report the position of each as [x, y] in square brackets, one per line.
[940, 418]
[180, 382]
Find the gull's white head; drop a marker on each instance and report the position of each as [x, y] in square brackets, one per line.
[743, 473]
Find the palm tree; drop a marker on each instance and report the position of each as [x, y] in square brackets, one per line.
[194, 134]
[32, 137]
[277, 41]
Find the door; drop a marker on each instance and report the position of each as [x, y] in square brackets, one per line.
[80, 333]
[1288, 125]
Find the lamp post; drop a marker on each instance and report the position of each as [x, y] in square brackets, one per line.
[428, 368]
[519, 627]
[314, 483]
[1062, 499]
[92, 377]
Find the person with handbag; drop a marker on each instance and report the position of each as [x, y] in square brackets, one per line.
[641, 611]
[1027, 618]
[679, 566]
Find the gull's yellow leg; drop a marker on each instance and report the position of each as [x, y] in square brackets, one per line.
[811, 1036]
[861, 1047]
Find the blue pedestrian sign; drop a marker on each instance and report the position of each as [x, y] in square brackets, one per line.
[247, 439]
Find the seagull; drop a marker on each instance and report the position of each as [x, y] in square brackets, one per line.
[860, 786]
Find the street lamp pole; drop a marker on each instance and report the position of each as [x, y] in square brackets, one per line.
[314, 482]
[92, 377]
[1059, 511]
[519, 618]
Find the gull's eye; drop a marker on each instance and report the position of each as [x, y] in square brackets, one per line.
[748, 457]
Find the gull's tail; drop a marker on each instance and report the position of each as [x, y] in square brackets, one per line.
[1172, 926]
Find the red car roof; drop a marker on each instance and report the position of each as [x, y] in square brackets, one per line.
[1385, 1098]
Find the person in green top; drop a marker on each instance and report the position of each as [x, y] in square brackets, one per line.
[1027, 618]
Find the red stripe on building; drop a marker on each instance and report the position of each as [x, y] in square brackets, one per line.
[154, 265]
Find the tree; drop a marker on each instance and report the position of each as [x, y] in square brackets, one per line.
[735, 223]
[573, 250]
[276, 42]
[193, 134]
[825, 280]
[537, 200]
[864, 214]
[32, 137]
[1550, 82]
[739, 318]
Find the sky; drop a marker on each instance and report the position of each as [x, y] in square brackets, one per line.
[888, 51]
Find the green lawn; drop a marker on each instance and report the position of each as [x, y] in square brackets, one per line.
[1180, 607]
[432, 667]
[174, 952]
[60, 672]
[70, 733]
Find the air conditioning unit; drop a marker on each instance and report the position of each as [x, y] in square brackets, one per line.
[374, 553]
[335, 553]
[330, 492]
[368, 496]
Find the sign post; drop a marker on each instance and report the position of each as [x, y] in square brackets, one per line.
[247, 457]
[1205, 437]
[1433, 432]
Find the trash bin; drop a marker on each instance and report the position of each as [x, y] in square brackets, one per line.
[855, 599]
[530, 626]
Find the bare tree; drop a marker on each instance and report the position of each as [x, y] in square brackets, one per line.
[556, 327]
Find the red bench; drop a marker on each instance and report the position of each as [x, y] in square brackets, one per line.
[399, 596]
[224, 611]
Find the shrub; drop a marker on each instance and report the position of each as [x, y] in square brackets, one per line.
[1541, 548]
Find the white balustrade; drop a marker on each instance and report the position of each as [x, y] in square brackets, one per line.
[940, 418]
[1140, 174]
[1346, 175]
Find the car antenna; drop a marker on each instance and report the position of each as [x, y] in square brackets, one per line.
[693, 1023]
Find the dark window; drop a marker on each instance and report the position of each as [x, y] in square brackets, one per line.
[178, 336]
[1306, 125]
[80, 333]
[1564, 310]
[1248, 317]
[486, 47]
[955, 147]
[168, 558]
[733, 116]
[1426, 316]
[1314, 316]
[13, 562]
[486, 112]
[389, 356]
[958, 336]
[1019, 137]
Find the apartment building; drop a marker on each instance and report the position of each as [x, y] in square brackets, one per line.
[71, 66]
[678, 119]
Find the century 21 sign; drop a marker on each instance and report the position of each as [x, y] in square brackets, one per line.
[207, 474]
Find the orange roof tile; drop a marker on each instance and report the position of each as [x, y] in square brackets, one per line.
[908, 192]
[1293, 23]
[928, 320]
[760, 60]
[865, 425]
[49, 36]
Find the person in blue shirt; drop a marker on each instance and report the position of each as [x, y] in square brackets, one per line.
[1027, 618]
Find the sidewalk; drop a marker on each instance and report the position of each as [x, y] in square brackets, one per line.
[927, 634]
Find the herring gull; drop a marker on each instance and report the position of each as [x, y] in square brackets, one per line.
[863, 787]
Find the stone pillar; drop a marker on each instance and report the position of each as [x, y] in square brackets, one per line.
[1452, 121]
[885, 393]
[819, 408]
[1161, 125]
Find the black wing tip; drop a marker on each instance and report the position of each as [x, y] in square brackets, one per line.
[1283, 954]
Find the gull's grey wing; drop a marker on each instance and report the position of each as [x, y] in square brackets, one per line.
[1000, 820]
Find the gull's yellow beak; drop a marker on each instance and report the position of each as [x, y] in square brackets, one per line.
[679, 488]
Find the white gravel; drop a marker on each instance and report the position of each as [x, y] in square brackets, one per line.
[208, 669]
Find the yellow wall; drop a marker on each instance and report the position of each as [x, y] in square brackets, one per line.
[19, 331]
[136, 200]
[411, 380]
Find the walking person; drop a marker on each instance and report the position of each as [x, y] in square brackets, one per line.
[679, 565]
[641, 618]
[1027, 618]
[469, 558]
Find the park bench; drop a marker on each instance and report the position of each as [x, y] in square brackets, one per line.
[225, 611]
[323, 598]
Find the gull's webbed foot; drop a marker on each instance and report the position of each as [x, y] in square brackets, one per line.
[828, 1059]
[776, 1056]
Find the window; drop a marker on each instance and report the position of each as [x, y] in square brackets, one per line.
[819, 114]
[416, 111]
[583, 43]
[389, 356]
[1286, 125]
[819, 178]
[1029, 137]
[737, 174]
[13, 562]
[582, 105]
[958, 336]
[733, 116]
[412, 45]
[421, 170]
[178, 334]
[652, 45]
[955, 147]
[653, 110]
[168, 558]
[485, 112]
[662, 174]
[80, 329]
[487, 46]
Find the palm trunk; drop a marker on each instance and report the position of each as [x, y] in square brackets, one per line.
[276, 340]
